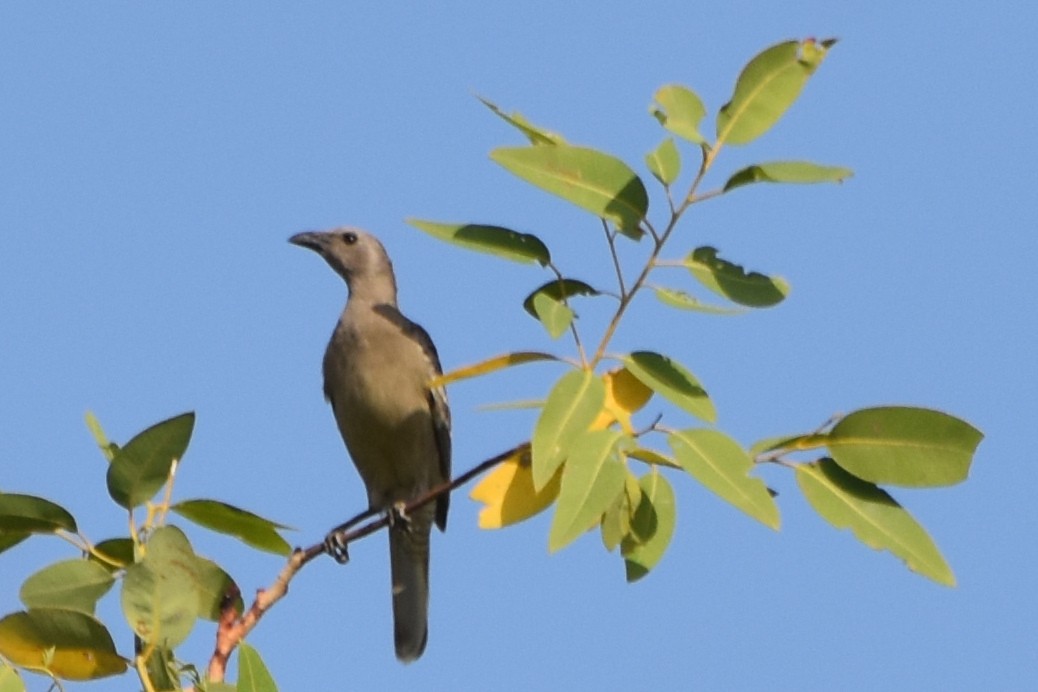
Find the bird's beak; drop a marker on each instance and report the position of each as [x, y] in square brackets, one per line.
[309, 239]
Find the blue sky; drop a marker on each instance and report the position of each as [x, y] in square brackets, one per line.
[154, 158]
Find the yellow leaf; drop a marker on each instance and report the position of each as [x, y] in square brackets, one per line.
[490, 365]
[625, 394]
[508, 493]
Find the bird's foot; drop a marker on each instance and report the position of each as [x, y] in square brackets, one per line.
[336, 545]
[336, 540]
[398, 517]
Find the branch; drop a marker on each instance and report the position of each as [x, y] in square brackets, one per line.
[232, 629]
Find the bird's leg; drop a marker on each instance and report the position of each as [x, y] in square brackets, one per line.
[398, 518]
[335, 543]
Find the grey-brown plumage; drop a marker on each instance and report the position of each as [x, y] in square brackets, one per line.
[377, 369]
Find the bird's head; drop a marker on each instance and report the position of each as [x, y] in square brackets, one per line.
[355, 255]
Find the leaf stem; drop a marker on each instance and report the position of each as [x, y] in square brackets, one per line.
[709, 154]
[572, 323]
[611, 239]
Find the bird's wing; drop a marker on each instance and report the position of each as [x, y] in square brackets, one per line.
[440, 413]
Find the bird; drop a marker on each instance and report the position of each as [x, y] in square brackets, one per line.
[377, 371]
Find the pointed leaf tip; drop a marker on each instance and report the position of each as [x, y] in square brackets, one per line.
[796, 172]
[537, 135]
[491, 240]
[875, 518]
[767, 87]
[652, 526]
[143, 465]
[907, 446]
[664, 162]
[752, 289]
[720, 463]
[672, 381]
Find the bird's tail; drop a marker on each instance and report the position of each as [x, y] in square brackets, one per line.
[409, 567]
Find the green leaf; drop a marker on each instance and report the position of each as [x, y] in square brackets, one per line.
[24, 514]
[142, 466]
[724, 278]
[651, 527]
[536, 135]
[664, 162]
[573, 403]
[9, 539]
[876, 519]
[250, 528]
[616, 522]
[10, 681]
[120, 552]
[914, 447]
[680, 110]
[69, 584]
[69, 644]
[164, 669]
[253, 675]
[558, 290]
[683, 301]
[548, 304]
[651, 456]
[672, 381]
[801, 172]
[553, 314]
[767, 87]
[718, 462]
[160, 594]
[590, 179]
[791, 443]
[215, 587]
[591, 480]
[492, 240]
[108, 448]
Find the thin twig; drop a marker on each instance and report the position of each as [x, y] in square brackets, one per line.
[611, 239]
[572, 323]
[232, 628]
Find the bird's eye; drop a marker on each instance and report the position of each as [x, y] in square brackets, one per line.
[349, 237]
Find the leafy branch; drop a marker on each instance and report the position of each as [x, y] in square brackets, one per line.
[581, 452]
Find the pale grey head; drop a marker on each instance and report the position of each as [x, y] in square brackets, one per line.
[356, 256]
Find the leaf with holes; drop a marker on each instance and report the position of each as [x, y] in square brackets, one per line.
[679, 109]
[731, 281]
[767, 87]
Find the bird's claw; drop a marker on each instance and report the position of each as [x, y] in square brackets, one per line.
[398, 517]
[335, 544]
